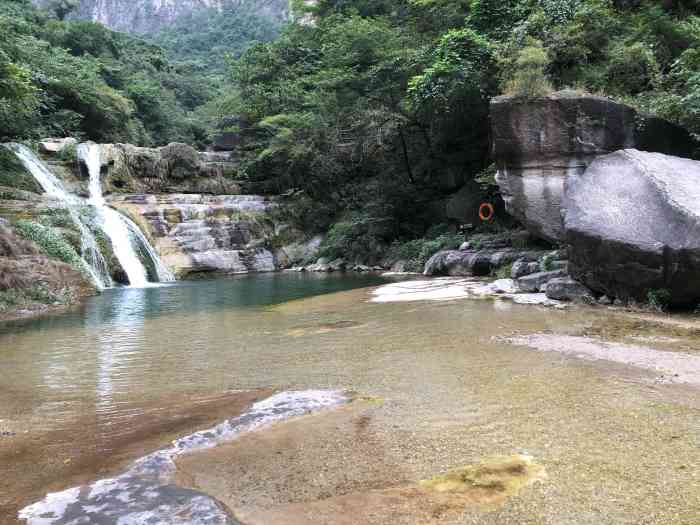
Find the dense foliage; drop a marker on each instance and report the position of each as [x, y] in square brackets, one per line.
[370, 112]
[78, 78]
[205, 40]
[378, 109]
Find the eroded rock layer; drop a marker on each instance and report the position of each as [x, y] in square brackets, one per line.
[205, 233]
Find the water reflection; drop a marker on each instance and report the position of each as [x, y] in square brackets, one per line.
[118, 329]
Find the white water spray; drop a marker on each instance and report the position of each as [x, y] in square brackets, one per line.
[111, 221]
[122, 232]
[95, 263]
[126, 238]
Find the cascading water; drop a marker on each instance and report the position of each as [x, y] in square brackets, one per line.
[126, 238]
[122, 232]
[95, 263]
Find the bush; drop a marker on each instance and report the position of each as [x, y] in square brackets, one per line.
[659, 299]
[417, 252]
[51, 243]
[361, 239]
[528, 79]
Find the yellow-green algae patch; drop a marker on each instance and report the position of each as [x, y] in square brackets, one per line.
[490, 481]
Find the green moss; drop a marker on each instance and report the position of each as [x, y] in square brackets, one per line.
[493, 478]
[14, 175]
[22, 298]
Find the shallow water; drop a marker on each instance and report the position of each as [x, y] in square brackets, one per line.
[149, 365]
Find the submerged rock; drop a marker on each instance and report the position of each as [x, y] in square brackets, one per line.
[539, 143]
[633, 223]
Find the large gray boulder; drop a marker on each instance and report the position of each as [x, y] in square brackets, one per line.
[537, 281]
[566, 289]
[633, 223]
[538, 144]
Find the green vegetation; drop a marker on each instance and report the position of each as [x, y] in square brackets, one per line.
[417, 252]
[659, 300]
[367, 112]
[204, 41]
[60, 78]
[15, 297]
[371, 113]
[51, 242]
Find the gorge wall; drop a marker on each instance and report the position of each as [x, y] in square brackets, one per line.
[149, 16]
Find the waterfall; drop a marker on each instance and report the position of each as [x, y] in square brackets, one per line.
[124, 235]
[95, 263]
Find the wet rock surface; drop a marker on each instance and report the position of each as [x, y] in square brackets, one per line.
[633, 223]
[205, 233]
[175, 168]
[540, 143]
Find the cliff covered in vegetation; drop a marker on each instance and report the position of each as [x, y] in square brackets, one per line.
[78, 78]
[151, 16]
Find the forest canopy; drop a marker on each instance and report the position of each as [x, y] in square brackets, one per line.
[378, 109]
[64, 77]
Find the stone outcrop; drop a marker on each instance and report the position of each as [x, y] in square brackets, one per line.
[175, 168]
[476, 262]
[538, 144]
[633, 223]
[37, 281]
[149, 16]
[566, 289]
[206, 233]
[52, 146]
[536, 282]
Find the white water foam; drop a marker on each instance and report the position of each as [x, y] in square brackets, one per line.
[122, 232]
[145, 492]
[95, 263]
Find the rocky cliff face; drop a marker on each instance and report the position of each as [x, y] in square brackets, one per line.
[538, 144]
[148, 16]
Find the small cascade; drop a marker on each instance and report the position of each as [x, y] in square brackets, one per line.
[95, 263]
[128, 241]
[125, 236]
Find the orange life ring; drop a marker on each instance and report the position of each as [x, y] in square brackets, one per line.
[486, 212]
